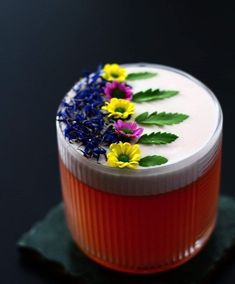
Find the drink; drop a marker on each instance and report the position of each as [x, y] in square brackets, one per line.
[149, 219]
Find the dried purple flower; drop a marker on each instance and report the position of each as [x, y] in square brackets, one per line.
[85, 122]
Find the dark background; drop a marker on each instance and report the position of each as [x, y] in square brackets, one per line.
[44, 46]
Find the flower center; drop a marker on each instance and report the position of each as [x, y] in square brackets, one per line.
[123, 158]
[120, 109]
[115, 75]
[118, 94]
[127, 131]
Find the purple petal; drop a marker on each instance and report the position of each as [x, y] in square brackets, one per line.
[138, 132]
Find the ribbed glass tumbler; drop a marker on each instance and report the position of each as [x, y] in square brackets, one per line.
[141, 221]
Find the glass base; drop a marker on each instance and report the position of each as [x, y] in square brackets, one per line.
[194, 250]
[141, 234]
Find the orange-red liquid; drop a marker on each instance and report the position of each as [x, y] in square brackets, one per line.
[141, 234]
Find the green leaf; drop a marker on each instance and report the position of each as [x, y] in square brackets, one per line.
[141, 117]
[140, 76]
[157, 138]
[161, 118]
[152, 95]
[154, 160]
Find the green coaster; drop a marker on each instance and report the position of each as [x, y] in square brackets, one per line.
[51, 239]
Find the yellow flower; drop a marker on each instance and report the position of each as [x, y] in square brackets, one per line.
[119, 108]
[114, 72]
[123, 155]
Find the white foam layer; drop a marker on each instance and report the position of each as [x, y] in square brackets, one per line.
[193, 100]
[189, 156]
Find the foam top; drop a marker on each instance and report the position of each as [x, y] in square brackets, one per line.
[194, 99]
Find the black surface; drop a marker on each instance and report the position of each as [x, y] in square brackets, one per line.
[51, 240]
[43, 47]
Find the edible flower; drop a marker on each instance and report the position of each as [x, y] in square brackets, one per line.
[118, 90]
[83, 120]
[123, 155]
[114, 72]
[128, 129]
[119, 108]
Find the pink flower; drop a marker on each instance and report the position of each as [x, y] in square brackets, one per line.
[127, 129]
[118, 90]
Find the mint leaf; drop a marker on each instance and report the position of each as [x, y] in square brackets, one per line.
[140, 76]
[154, 160]
[152, 95]
[157, 138]
[161, 118]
